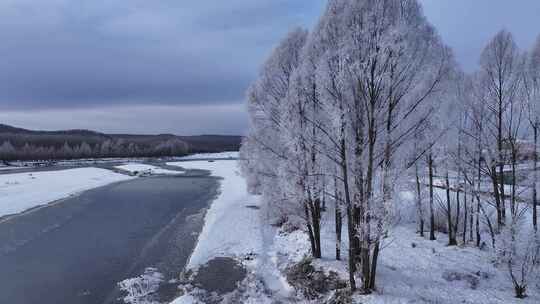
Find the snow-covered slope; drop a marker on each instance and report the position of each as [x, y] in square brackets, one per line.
[22, 191]
[231, 228]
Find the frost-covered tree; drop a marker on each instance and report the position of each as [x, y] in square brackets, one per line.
[532, 85]
[268, 151]
[500, 80]
[66, 151]
[467, 160]
[364, 85]
[396, 64]
[7, 151]
[518, 251]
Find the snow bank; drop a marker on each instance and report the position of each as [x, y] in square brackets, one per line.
[231, 229]
[222, 155]
[234, 228]
[22, 191]
[142, 169]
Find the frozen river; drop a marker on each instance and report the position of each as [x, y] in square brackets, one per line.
[75, 251]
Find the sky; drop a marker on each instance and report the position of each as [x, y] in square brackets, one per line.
[178, 66]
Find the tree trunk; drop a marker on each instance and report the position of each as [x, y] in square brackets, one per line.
[350, 223]
[366, 206]
[497, 195]
[352, 261]
[477, 223]
[520, 291]
[310, 230]
[374, 266]
[366, 270]
[458, 211]
[503, 195]
[513, 207]
[477, 194]
[451, 237]
[316, 221]
[501, 160]
[339, 225]
[471, 220]
[419, 206]
[465, 216]
[535, 182]
[490, 226]
[431, 210]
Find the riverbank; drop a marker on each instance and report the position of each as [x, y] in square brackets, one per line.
[234, 234]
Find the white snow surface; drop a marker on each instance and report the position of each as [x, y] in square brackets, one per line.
[23, 191]
[221, 155]
[146, 169]
[413, 269]
[185, 299]
[231, 229]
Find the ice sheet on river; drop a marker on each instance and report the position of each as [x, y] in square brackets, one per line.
[23, 191]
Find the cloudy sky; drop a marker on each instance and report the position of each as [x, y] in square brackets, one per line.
[179, 66]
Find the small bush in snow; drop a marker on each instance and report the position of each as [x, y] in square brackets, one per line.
[519, 253]
[472, 279]
[313, 283]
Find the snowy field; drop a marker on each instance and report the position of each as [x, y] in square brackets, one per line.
[22, 191]
[142, 169]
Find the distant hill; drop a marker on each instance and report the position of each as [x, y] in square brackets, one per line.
[22, 144]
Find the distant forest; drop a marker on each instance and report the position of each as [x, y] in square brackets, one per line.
[22, 144]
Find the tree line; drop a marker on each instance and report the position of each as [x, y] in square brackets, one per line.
[107, 148]
[22, 144]
[371, 103]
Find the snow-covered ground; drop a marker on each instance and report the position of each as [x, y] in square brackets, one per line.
[22, 191]
[221, 155]
[411, 270]
[143, 169]
[416, 270]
